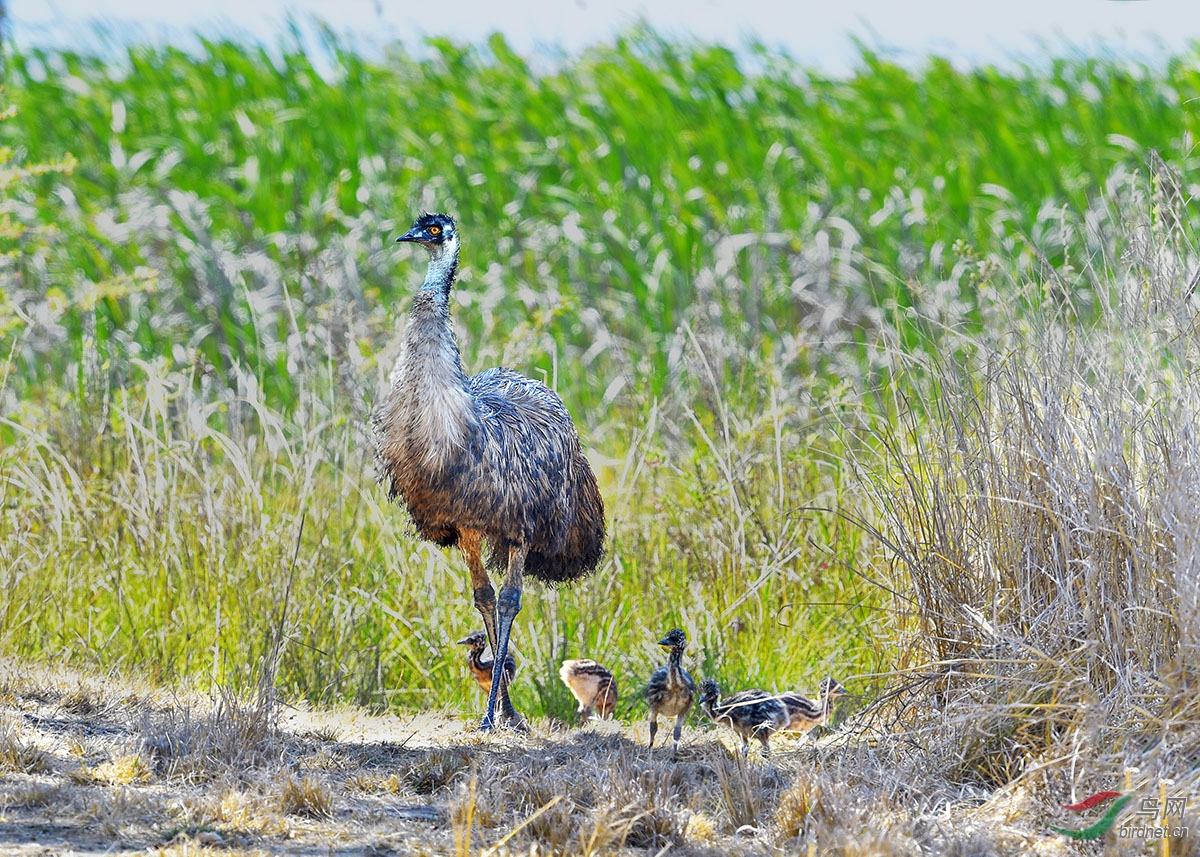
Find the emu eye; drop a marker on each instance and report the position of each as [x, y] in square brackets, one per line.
[435, 230]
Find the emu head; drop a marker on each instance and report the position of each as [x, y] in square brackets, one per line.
[437, 234]
[475, 641]
[675, 639]
[432, 231]
[831, 688]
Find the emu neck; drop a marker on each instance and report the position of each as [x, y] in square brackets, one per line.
[429, 376]
[443, 266]
[675, 666]
[432, 355]
[430, 336]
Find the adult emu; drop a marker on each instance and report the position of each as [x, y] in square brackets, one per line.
[492, 458]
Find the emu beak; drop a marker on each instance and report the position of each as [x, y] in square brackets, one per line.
[410, 235]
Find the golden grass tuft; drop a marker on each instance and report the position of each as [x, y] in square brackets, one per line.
[125, 769]
[649, 806]
[236, 735]
[796, 804]
[597, 832]
[743, 790]
[700, 828]
[463, 817]
[240, 807]
[32, 794]
[373, 783]
[305, 796]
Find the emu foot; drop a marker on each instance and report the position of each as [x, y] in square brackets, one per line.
[514, 721]
[511, 720]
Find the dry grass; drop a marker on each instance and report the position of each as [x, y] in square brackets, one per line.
[1041, 541]
[306, 796]
[19, 755]
[120, 770]
[405, 785]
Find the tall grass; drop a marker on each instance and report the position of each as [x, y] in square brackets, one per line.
[594, 194]
[184, 550]
[1038, 494]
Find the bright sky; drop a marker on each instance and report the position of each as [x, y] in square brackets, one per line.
[817, 34]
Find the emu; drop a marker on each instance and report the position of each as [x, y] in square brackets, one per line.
[593, 687]
[804, 714]
[475, 642]
[671, 690]
[750, 713]
[491, 459]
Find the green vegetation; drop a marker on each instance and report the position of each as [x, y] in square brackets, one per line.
[830, 343]
[594, 195]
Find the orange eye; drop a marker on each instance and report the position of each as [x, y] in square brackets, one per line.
[435, 230]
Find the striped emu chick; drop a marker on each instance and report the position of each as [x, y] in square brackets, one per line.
[489, 462]
[592, 685]
[750, 713]
[482, 669]
[804, 714]
[671, 690]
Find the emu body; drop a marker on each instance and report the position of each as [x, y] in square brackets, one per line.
[804, 714]
[750, 713]
[593, 687]
[671, 690]
[492, 458]
[482, 669]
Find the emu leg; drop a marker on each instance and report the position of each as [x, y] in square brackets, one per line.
[653, 727]
[678, 731]
[509, 716]
[469, 541]
[508, 605]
